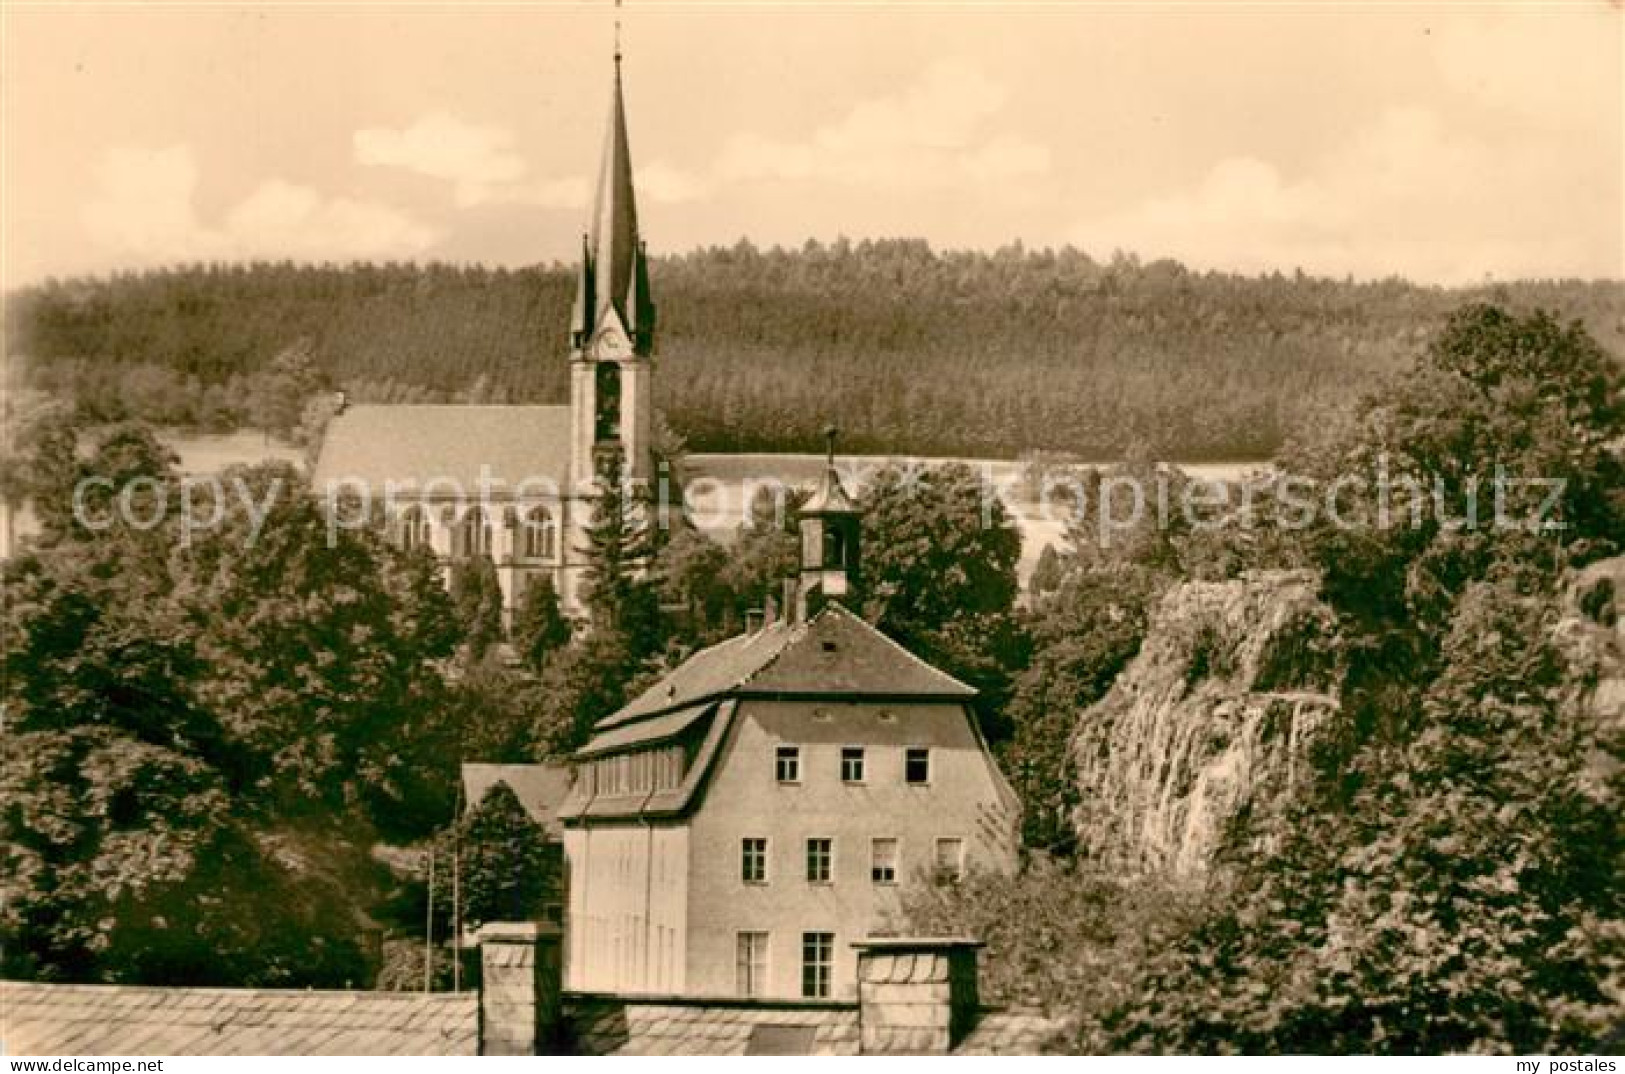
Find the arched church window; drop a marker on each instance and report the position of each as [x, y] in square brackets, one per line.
[473, 534]
[413, 528]
[540, 534]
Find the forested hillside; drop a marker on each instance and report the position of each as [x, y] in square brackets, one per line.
[955, 353]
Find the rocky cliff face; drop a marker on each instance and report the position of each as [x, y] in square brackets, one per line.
[1591, 633]
[1216, 714]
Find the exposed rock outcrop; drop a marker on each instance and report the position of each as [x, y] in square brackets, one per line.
[1591, 634]
[1215, 714]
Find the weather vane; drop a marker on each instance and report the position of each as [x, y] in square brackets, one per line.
[617, 32]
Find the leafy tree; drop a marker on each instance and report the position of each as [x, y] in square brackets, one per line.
[1047, 572]
[1467, 901]
[715, 585]
[692, 572]
[580, 685]
[178, 703]
[1446, 884]
[508, 867]
[496, 706]
[937, 544]
[540, 627]
[1060, 937]
[476, 594]
[96, 819]
[281, 392]
[766, 549]
[321, 655]
[939, 575]
[1082, 636]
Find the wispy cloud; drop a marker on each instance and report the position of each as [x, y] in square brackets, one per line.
[935, 132]
[145, 211]
[476, 159]
[480, 161]
[1405, 193]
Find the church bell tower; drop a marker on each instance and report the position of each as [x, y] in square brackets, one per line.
[612, 324]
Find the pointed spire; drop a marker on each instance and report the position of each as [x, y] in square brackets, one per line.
[830, 497]
[614, 280]
[581, 309]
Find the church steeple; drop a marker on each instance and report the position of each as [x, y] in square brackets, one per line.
[612, 291]
[612, 325]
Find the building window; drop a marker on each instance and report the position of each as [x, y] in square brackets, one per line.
[540, 532]
[817, 955]
[414, 528]
[883, 861]
[473, 534]
[750, 967]
[753, 861]
[950, 863]
[917, 765]
[851, 764]
[607, 423]
[788, 764]
[834, 548]
[820, 859]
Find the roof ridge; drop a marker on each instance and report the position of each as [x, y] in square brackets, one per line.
[739, 642]
[899, 646]
[352, 407]
[793, 633]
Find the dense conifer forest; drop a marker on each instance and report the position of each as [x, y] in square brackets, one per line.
[912, 350]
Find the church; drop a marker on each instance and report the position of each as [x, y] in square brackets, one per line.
[516, 482]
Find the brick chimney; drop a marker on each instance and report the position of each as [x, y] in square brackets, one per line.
[520, 980]
[916, 995]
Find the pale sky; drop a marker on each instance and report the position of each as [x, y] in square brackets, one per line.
[1445, 144]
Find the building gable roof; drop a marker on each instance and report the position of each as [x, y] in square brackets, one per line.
[437, 450]
[835, 653]
[540, 788]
